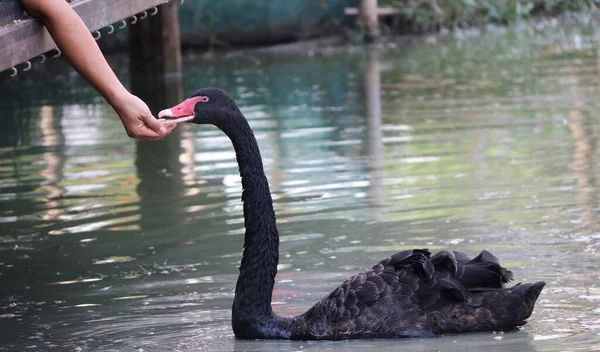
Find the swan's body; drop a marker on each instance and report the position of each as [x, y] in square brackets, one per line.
[408, 294]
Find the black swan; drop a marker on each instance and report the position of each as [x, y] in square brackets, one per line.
[410, 294]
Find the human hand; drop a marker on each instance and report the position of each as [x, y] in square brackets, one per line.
[138, 120]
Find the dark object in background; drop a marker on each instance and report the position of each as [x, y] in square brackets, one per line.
[242, 22]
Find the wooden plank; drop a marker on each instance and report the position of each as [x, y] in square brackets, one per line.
[28, 38]
[381, 11]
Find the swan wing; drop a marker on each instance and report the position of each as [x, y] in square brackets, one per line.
[381, 302]
[412, 293]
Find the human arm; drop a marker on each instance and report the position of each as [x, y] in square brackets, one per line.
[79, 47]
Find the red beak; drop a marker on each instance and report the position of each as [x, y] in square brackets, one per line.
[181, 112]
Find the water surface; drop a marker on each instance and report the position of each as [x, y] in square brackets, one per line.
[490, 141]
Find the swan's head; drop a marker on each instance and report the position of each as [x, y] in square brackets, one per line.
[205, 106]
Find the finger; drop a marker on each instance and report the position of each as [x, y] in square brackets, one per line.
[150, 137]
[146, 137]
[148, 134]
[143, 132]
[170, 127]
[153, 124]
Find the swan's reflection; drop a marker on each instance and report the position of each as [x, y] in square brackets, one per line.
[507, 342]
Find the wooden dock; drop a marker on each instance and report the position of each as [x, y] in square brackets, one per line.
[369, 13]
[23, 38]
[24, 41]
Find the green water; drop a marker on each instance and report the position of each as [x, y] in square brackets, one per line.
[108, 244]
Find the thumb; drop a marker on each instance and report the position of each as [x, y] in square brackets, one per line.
[154, 124]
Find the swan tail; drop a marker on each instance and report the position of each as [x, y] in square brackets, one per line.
[483, 271]
[488, 310]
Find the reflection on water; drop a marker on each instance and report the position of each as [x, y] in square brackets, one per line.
[488, 142]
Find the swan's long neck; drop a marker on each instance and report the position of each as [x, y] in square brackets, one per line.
[254, 288]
